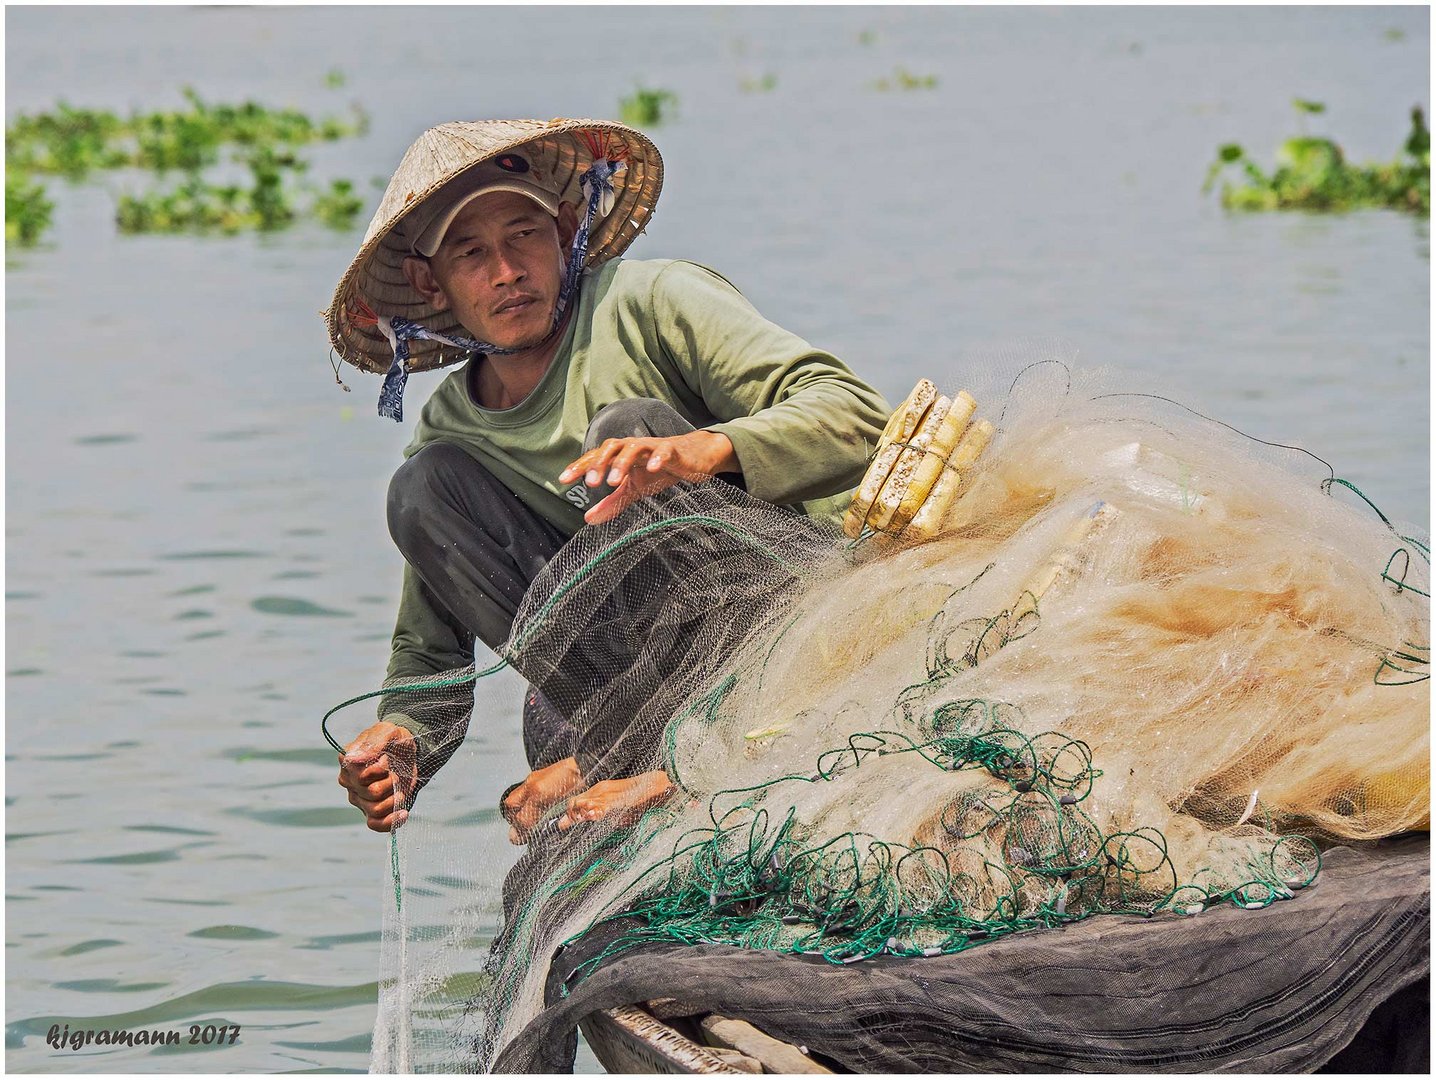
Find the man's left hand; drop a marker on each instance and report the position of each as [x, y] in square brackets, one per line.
[619, 802]
[643, 466]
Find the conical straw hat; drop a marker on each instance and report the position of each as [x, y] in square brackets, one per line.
[434, 169]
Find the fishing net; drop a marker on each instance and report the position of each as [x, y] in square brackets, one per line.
[1146, 665]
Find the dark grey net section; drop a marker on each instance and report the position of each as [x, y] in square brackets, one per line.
[1279, 990]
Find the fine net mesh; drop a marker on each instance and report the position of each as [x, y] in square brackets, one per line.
[1147, 665]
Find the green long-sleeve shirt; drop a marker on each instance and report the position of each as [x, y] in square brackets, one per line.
[801, 423]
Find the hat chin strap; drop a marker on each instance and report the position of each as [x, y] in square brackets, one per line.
[597, 184]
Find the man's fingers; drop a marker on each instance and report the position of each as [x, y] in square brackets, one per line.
[367, 770]
[381, 785]
[524, 812]
[582, 808]
[601, 467]
[598, 464]
[512, 804]
[575, 469]
[628, 493]
[386, 822]
[381, 788]
[609, 507]
[363, 753]
[595, 461]
[359, 754]
[627, 459]
[574, 814]
[375, 807]
[515, 803]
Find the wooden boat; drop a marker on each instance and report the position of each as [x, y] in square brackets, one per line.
[632, 1039]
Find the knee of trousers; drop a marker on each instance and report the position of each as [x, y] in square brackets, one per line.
[422, 483]
[635, 418]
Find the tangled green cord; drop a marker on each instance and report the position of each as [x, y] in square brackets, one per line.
[748, 881]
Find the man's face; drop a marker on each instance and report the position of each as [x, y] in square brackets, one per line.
[499, 269]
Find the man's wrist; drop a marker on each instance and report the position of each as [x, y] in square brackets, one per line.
[723, 458]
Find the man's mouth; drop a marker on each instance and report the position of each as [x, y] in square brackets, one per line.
[518, 303]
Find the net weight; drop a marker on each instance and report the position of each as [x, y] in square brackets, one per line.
[212, 1035]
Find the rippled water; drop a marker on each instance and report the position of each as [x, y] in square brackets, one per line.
[197, 562]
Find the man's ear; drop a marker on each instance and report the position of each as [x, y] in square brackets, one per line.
[567, 222]
[420, 276]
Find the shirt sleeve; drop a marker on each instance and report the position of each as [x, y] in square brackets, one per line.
[802, 424]
[426, 643]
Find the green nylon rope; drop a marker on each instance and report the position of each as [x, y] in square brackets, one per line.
[748, 882]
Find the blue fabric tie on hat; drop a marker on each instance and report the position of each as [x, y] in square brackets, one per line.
[597, 184]
[400, 331]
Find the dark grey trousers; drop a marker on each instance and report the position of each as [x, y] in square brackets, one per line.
[477, 548]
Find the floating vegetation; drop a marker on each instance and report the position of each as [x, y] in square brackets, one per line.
[867, 37]
[337, 206]
[1312, 173]
[74, 142]
[644, 107]
[903, 79]
[193, 206]
[196, 206]
[27, 211]
[760, 85]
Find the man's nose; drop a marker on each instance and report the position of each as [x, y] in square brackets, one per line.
[507, 270]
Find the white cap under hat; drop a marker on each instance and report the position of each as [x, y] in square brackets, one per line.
[507, 172]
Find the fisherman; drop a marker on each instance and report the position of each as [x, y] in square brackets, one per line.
[587, 382]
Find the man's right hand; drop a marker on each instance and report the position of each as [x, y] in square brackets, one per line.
[380, 772]
[529, 801]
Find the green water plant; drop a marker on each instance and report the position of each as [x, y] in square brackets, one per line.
[759, 85]
[903, 79]
[74, 142]
[645, 107]
[337, 205]
[27, 210]
[1312, 173]
[193, 206]
[67, 142]
[270, 202]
